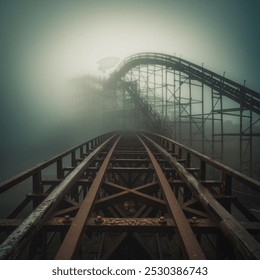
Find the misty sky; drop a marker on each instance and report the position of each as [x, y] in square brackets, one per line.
[45, 43]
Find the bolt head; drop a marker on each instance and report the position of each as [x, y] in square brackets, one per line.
[162, 220]
[66, 219]
[194, 220]
[99, 219]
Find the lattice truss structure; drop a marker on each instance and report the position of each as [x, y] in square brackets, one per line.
[193, 105]
[141, 194]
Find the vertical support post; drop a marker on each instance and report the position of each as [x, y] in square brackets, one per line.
[73, 158]
[188, 160]
[166, 94]
[227, 184]
[221, 123]
[179, 153]
[74, 189]
[202, 170]
[154, 90]
[124, 108]
[162, 104]
[217, 130]
[226, 190]
[167, 145]
[173, 151]
[88, 147]
[202, 118]
[212, 124]
[59, 169]
[174, 105]
[81, 152]
[147, 82]
[241, 135]
[179, 101]
[190, 116]
[92, 144]
[37, 188]
[251, 144]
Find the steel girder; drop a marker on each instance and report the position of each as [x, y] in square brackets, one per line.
[239, 93]
[195, 118]
[127, 198]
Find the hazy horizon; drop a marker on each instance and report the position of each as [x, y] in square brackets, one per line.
[44, 44]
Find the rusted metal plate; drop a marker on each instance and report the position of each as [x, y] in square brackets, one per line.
[140, 224]
[158, 225]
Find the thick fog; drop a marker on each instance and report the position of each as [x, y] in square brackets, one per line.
[46, 45]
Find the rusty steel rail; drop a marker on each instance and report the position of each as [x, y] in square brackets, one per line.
[70, 245]
[8, 184]
[33, 223]
[231, 228]
[249, 98]
[130, 195]
[226, 170]
[189, 243]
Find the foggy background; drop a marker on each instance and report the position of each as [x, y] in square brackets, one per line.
[46, 45]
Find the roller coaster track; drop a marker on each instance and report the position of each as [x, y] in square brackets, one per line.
[246, 97]
[186, 101]
[129, 195]
[153, 120]
[137, 195]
